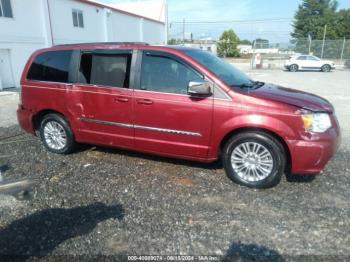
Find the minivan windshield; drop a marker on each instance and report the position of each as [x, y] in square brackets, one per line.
[225, 71]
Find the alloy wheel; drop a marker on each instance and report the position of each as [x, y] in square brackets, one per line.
[55, 135]
[293, 68]
[252, 161]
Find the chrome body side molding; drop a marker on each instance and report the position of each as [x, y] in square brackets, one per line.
[156, 129]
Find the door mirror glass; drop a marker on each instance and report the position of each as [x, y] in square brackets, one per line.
[199, 87]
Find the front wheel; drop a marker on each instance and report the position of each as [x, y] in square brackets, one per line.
[254, 159]
[294, 68]
[326, 68]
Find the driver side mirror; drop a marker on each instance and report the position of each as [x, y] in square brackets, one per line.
[199, 88]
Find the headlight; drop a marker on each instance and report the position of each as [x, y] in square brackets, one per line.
[317, 123]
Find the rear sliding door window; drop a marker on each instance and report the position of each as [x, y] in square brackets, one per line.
[51, 66]
[105, 69]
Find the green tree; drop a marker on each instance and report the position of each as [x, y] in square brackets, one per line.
[227, 46]
[310, 20]
[174, 41]
[312, 16]
[343, 23]
[245, 42]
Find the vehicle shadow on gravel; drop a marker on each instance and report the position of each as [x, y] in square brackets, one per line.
[299, 178]
[40, 233]
[215, 165]
[210, 166]
[251, 252]
[306, 71]
[4, 168]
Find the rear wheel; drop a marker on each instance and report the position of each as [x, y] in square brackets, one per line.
[294, 68]
[326, 68]
[254, 159]
[56, 134]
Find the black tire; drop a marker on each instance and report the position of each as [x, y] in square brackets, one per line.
[294, 68]
[268, 142]
[326, 68]
[59, 121]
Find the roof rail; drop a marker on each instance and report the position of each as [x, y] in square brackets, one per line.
[106, 43]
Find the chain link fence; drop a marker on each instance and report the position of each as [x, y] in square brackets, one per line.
[274, 55]
[328, 49]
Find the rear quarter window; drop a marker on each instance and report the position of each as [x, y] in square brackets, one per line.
[52, 66]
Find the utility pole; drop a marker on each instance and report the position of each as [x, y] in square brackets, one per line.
[49, 39]
[310, 42]
[324, 39]
[342, 51]
[166, 11]
[183, 30]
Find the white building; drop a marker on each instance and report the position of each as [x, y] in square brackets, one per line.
[206, 45]
[245, 49]
[26, 26]
[154, 9]
[248, 49]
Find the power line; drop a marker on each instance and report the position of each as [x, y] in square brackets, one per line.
[281, 19]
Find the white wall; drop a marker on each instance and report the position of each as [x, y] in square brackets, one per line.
[62, 22]
[22, 34]
[26, 24]
[30, 29]
[124, 28]
[153, 33]
[98, 22]
[154, 9]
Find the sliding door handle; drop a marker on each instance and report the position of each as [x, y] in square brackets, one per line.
[122, 99]
[145, 102]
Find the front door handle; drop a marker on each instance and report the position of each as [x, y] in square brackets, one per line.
[122, 99]
[145, 102]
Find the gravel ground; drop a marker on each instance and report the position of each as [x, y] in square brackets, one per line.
[109, 202]
[101, 201]
[8, 106]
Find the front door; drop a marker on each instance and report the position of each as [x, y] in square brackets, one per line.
[102, 98]
[167, 120]
[6, 77]
[313, 62]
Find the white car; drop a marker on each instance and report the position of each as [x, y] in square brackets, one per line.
[308, 62]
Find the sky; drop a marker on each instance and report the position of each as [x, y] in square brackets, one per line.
[237, 12]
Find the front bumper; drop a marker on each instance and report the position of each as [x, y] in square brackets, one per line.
[311, 155]
[25, 119]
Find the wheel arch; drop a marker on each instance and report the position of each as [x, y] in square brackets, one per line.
[261, 130]
[295, 64]
[39, 116]
[326, 64]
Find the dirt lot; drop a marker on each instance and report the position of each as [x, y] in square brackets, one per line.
[100, 201]
[8, 106]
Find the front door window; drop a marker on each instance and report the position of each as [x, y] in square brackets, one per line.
[166, 75]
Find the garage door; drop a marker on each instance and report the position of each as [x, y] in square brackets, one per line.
[6, 76]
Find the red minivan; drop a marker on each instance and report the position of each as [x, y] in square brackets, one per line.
[175, 102]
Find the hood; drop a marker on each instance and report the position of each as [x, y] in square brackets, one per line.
[293, 97]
